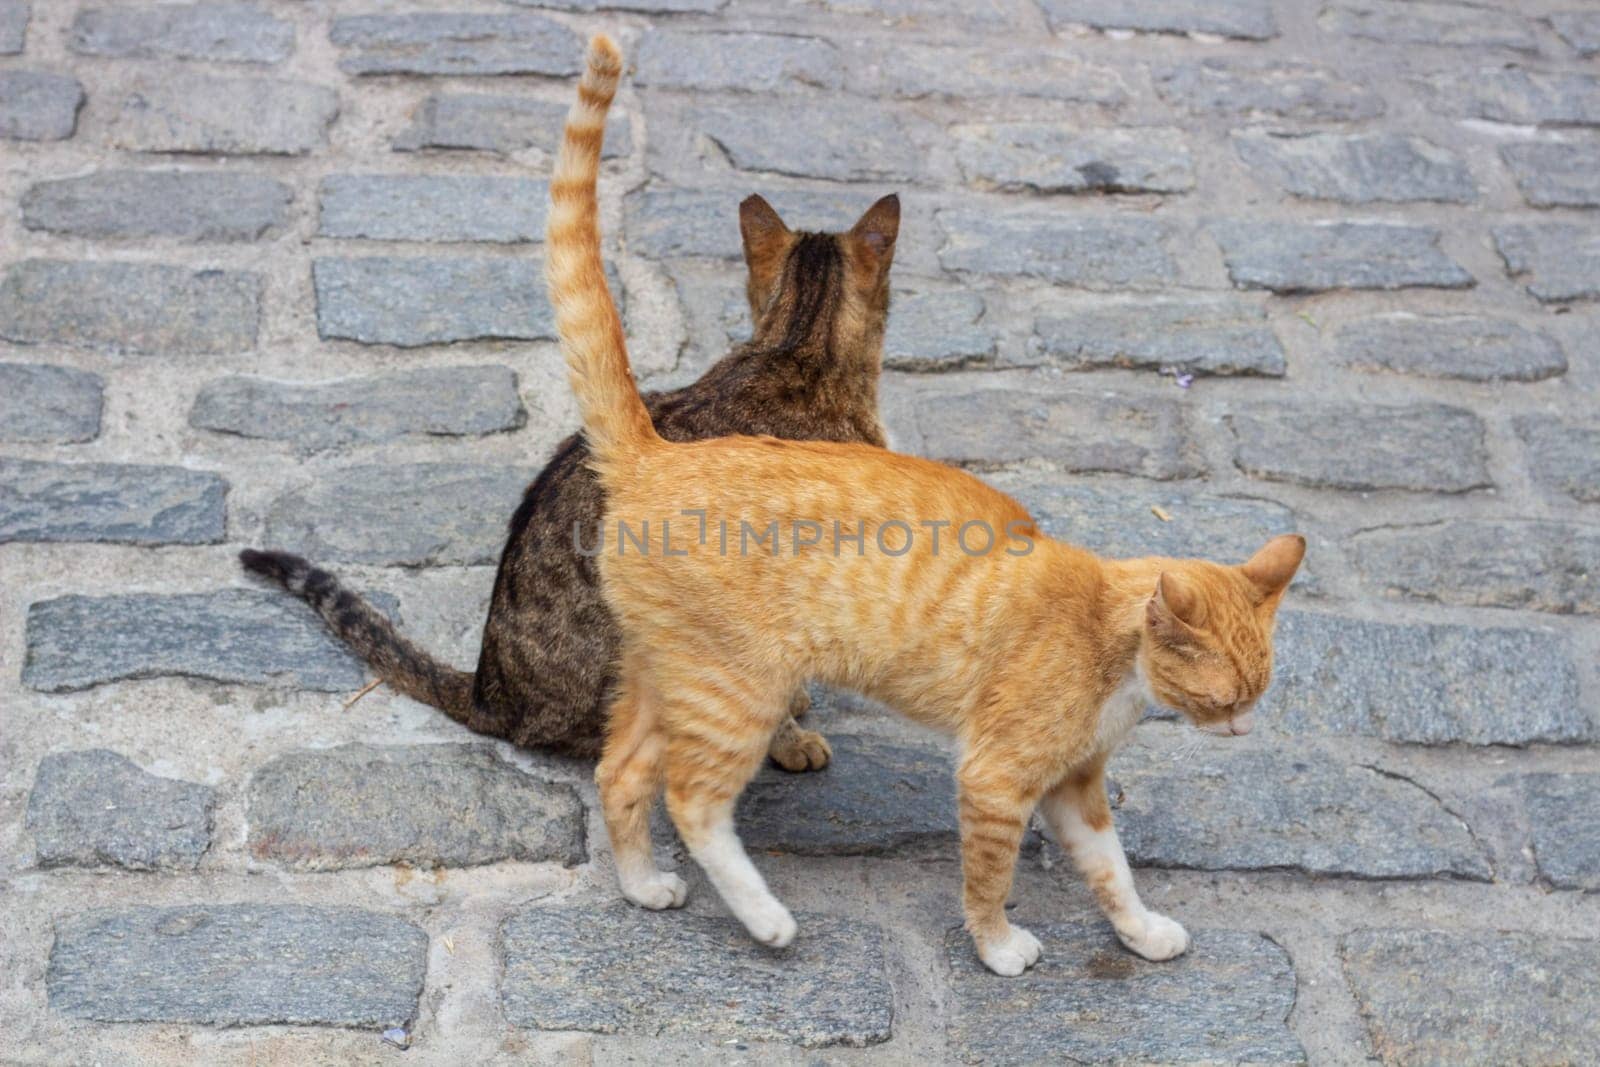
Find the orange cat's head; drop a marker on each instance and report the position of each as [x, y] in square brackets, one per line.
[832, 286]
[1207, 648]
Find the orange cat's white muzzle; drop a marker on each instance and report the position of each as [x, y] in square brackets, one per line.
[1237, 726]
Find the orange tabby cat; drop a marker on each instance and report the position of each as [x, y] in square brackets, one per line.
[1038, 656]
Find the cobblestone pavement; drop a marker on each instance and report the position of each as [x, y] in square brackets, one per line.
[269, 274]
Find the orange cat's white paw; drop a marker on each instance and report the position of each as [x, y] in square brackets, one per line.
[656, 891]
[1161, 939]
[769, 922]
[1012, 954]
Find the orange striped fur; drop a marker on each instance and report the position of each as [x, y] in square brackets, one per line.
[586, 317]
[1039, 662]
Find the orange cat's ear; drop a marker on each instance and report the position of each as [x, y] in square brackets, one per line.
[1271, 569]
[874, 233]
[1175, 610]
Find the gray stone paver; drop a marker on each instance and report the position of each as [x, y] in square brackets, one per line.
[634, 972]
[1563, 456]
[218, 32]
[1559, 261]
[1119, 253]
[438, 401]
[185, 113]
[1534, 564]
[1448, 25]
[96, 807]
[143, 308]
[233, 636]
[1041, 157]
[753, 62]
[1227, 1001]
[413, 301]
[1357, 169]
[878, 798]
[1253, 89]
[1204, 336]
[1115, 519]
[1580, 29]
[1285, 805]
[1564, 836]
[1227, 18]
[1180, 275]
[126, 503]
[1289, 257]
[39, 402]
[14, 18]
[937, 331]
[1440, 997]
[397, 207]
[426, 42]
[1555, 175]
[425, 805]
[238, 965]
[1155, 439]
[1003, 71]
[37, 105]
[1470, 347]
[1517, 96]
[1426, 684]
[1423, 448]
[411, 515]
[771, 138]
[489, 122]
[131, 204]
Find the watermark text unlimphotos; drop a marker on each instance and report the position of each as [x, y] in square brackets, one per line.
[727, 537]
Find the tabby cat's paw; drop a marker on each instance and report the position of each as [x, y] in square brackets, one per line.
[657, 891]
[1012, 954]
[800, 750]
[1161, 939]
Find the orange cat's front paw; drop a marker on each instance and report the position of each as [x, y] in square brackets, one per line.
[1010, 954]
[1160, 939]
[769, 922]
[800, 750]
[657, 891]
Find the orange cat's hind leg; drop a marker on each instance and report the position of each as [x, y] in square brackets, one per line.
[793, 747]
[629, 776]
[719, 732]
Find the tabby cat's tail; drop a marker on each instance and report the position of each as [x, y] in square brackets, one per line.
[404, 666]
[615, 421]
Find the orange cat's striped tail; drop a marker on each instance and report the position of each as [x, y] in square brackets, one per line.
[614, 417]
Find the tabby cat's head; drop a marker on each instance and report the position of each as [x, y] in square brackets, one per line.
[1207, 650]
[831, 288]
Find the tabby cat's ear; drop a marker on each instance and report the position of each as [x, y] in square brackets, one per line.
[763, 231]
[1271, 569]
[1175, 610]
[874, 233]
[766, 241]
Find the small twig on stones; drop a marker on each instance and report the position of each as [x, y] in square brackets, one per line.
[369, 687]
